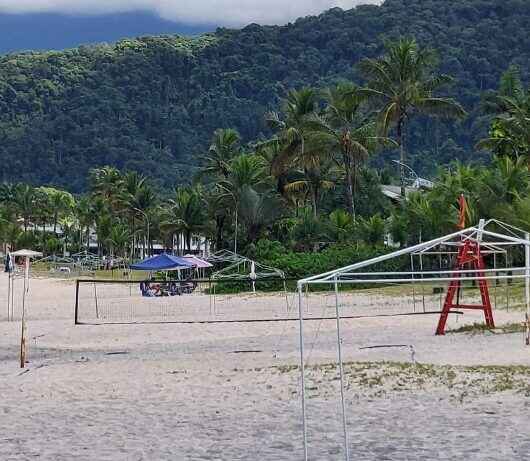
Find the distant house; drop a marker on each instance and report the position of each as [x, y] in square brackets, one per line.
[394, 192]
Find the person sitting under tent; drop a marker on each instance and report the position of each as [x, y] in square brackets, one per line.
[174, 289]
[145, 289]
[150, 290]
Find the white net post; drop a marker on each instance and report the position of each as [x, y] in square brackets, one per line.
[341, 371]
[527, 286]
[302, 371]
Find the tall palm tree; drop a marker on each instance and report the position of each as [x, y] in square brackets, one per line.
[226, 144]
[257, 210]
[119, 239]
[60, 202]
[184, 214]
[501, 186]
[106, 183]
[25, 202]
[102, 220]
[137, 198]
[86, 217]
[403, 83]
[293, 137]
[313, 182]
[346, 132]
[244, 171]
[510, 132]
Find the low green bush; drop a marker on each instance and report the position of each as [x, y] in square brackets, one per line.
[299, 265]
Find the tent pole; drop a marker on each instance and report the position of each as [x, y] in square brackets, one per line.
[341, 371]
[527, 287]
[13, 296]
[422, 286]
[23, 332]
[8, 295]
[496, 282]
[302, 371]
[286, 296]
[413, 284]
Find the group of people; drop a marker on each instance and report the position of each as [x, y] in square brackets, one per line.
[155, 289]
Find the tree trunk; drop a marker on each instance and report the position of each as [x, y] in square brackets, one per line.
[188, 241]
[313, 192]
[219, 227]
[133, 250]
[349, 184]
[400, 140]
[314, 200]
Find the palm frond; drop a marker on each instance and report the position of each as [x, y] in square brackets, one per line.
[441, 107]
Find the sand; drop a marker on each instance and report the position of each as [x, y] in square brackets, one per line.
[230, 391]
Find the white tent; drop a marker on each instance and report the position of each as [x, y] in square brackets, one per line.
[493, 237]
[241, 268]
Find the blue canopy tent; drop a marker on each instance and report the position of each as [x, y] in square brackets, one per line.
[163, 262]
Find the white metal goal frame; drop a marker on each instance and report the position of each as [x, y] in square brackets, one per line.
[490, 242]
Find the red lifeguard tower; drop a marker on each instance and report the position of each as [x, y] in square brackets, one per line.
[469, 258]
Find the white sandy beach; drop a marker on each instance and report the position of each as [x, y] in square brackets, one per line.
[230, 391]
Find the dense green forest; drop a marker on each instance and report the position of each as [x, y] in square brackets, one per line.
[305, 199]
[151, 105]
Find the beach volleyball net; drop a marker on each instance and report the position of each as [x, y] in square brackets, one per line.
[178, 301]
[208, 301]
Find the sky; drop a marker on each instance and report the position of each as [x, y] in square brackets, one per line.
[218, 12]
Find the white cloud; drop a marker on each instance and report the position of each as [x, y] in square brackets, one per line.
[226, 12]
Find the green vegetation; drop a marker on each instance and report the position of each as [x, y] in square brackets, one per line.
[150, 105]
[305, 200]
[380, 378]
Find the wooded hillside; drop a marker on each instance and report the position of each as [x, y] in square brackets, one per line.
[152, 104]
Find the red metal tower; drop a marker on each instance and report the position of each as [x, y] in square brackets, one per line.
[469, 257]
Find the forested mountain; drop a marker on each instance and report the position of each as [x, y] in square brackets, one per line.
[152, 104]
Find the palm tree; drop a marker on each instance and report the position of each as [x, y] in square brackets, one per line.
[403, 83]
[85, 214]
[61, 204]
[70, 227]
[313, 183]
[118, 239]
[309, 231]
[104, 223]
[25, 202]
[372, 229]
[137, 198]
[342, 225]
[224, 147]
[257, 211]
[510, 132]
[244, 171]
[292, 135]
[106, 183]
[184, 214]
[347, 133]
[501, 186]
